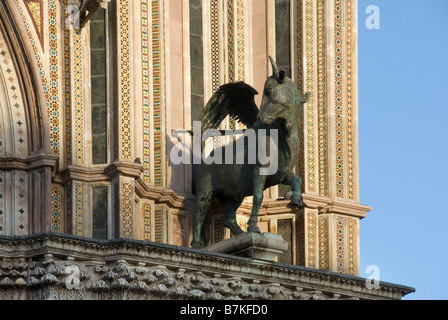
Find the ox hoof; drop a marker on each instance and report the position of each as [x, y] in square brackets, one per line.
[196, 245]
[253, 229]
[295, 204]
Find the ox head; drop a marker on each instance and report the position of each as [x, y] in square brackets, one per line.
[281, 98]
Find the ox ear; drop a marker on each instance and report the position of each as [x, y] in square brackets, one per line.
[306, 97]
[282, 75]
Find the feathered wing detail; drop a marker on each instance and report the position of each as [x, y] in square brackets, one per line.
[233, 99]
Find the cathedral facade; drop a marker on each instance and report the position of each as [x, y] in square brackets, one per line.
[93, 96]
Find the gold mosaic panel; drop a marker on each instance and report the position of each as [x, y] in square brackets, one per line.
[35, 10]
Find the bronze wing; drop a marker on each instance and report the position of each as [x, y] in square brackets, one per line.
[234, 99]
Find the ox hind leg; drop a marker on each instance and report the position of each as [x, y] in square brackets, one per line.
[259, 182]
[202, 220]
[229, 207]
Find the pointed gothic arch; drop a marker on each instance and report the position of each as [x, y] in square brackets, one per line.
[26, 160]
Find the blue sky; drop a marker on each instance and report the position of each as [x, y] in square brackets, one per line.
[403, 133]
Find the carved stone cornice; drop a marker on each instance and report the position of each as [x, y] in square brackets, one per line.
[328, 205]
[160, 195]
[119, 269]
[123, 168]
[27, 163]
[322, 204]
[100, 173]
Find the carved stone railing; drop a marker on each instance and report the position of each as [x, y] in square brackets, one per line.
[53, 266]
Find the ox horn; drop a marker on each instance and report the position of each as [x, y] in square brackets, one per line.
[274, 66]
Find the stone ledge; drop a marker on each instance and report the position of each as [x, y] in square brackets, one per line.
[35, 267]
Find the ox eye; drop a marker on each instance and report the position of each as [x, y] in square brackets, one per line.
[268, 91]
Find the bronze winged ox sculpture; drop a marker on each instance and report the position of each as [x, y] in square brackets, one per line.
[230, 183]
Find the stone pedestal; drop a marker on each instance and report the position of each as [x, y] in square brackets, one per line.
[261, 246]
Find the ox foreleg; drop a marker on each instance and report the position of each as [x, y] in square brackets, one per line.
[296, 198]
[259, 183]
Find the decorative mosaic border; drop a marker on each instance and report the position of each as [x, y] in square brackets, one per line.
[350, 99]
[300, 88]
[146, 96]
[69, 207]
[352, 260]
[310, 119]
[231, 40]
[215, 45]
[127, 196]
[125, 80]
[312, 242]
[78, 98]
[67, 90]
[80, 198]
[54, 76]
[53, 120]
[324, 242]
[339, 89]
[147, 221]
[240, 30]
[2, 204]
[158, 224]
[156, 91]
[321, 97]
[340, 244]
[56, 210]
